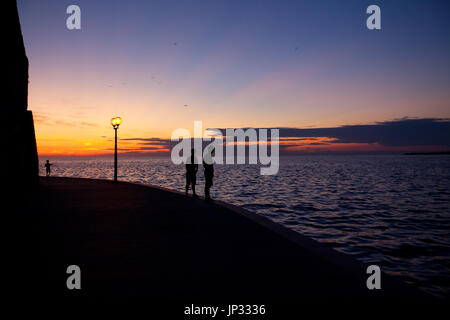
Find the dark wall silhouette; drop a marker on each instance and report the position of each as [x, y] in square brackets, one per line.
[21, 152]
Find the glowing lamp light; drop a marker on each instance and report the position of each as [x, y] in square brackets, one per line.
[115, 122]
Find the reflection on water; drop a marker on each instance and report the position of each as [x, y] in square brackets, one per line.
[392, 211]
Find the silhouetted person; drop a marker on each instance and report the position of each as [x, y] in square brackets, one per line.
[191, 172]
[47, 168]
[208, 166]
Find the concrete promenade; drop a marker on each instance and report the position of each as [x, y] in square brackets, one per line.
[136, 240]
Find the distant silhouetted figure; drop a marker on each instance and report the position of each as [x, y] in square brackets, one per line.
[191, 173]
[208, 166]
[47, 168]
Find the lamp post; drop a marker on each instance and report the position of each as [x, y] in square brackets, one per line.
[115, 122]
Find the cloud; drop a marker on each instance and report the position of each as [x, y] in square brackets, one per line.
[403, 132]
[88, 124]
[399, 134]
[46, 119]
[150, 144]
[148, 140]
[77, 124]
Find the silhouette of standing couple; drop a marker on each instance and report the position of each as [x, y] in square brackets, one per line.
[191, 173]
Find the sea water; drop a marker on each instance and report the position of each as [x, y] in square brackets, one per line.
[388, 210]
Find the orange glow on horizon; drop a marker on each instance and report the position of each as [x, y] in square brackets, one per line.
[66, 147]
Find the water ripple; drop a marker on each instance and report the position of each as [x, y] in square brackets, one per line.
[392, 211]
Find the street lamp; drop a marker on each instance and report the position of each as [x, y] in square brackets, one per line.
[115, 122]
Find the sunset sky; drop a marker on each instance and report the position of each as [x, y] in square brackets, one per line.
[160, 65]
